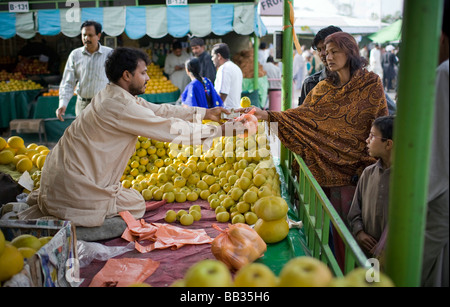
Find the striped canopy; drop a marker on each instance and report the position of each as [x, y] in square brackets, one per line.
[154, 21]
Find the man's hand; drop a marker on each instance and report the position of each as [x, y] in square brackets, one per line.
[214, 113]
[60, 112]
[260, 114]
[365, 240]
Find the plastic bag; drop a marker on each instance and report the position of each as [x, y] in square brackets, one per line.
[88, 251]
[124, 272]
[237, 245]
[250, 122]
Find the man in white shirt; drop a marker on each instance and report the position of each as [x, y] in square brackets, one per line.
[375, 61]
[174, 66]
[85, 69]
[229, 77]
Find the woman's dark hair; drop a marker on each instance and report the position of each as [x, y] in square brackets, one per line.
[193, 66]
[385, 125]
[122, 59]
[97, 26]
[349, 46]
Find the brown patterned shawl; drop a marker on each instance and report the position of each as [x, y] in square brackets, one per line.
[330, 128]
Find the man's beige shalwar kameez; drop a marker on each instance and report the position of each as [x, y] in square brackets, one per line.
[80, 181]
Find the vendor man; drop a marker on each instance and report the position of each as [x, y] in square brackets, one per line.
[80, 180]
[85, 70]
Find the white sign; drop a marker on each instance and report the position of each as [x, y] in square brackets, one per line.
[18, 7]
[176, 2]
[271, 7]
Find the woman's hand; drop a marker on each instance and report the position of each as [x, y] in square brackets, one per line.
[260, 114]
[214, 114]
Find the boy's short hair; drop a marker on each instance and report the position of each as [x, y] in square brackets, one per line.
[385, 125]
[323, 33]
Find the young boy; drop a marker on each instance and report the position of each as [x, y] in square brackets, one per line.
[369, 210]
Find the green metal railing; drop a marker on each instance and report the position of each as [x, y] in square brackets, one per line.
[316, 212]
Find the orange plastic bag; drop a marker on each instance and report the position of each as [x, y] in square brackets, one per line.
[237, 245]
[250, 122]
[162, 235]
[124, 272]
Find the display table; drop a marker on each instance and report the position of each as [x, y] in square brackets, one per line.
[162, 98]
[173, 263]
[15, 105]
[46, 107]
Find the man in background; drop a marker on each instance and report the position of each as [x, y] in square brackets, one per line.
[229, 77]
[85, 70]
[207, 68]
[174, 66]
[435, 263]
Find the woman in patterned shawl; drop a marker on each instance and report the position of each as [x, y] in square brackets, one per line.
[330, 128]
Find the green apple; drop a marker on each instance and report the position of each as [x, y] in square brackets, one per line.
[272, 231]
[208, 273]
[250, 196]
[171, 216]
[271, 208]
[358, 278]
[305, 271]
[187, 219]
[147, 194]
[195, 207]
[180, 197]
[238, 218]
[223, 217]
[255, 275]
[214, 203]
[196, 214]
[250, 218]
[180, 213]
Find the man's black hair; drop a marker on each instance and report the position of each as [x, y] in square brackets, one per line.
[97, 26]
[222, 49]
[197, 41]
[122, 59]
[323, 33]
[176, 45]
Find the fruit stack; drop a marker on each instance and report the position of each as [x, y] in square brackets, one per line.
[30, 158]
[232, 175]
[6, 76]
[158, 83]
[18, 85]
[302, 271]
[14, 254]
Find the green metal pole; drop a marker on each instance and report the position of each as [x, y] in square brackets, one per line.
[286, 82]
[255, 62]
[412, 139]
[287, 58]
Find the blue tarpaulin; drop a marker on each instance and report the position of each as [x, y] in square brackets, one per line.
[155, 21]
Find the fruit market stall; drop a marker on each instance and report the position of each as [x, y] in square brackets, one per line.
[225, 204]
[16, 97]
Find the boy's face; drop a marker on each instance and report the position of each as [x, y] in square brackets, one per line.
[376, 144]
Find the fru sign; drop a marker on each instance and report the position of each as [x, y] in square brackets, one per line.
[271, 7]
